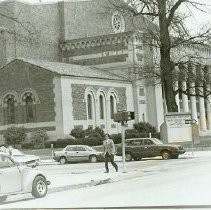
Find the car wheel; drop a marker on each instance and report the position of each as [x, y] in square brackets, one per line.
[93, 159]
[39, 187]
[128, 157]
[63, 160]
[3, 198]
[166, 155]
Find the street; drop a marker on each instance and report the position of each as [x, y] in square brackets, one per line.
[181, 182]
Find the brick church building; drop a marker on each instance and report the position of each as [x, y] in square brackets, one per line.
[70, 64]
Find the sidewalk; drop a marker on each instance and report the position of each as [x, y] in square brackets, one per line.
[67, 181]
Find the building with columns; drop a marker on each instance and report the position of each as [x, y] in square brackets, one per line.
[193, 81]
[71, 64]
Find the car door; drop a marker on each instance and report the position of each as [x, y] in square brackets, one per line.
[10, 176]
[70, 153]
[82, 154]
[149, 148]
[136, 148]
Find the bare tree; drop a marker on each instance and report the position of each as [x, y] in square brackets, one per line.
[168, 35]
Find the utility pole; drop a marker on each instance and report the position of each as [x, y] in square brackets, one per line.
[123, 146]
[122, 117]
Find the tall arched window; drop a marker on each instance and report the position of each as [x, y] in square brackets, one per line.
[89, 106]
[10, 110]
[101, 99]
[112, 107]
[29, 109]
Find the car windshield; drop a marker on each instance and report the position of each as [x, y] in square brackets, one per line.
[90, 148]
[157, 141]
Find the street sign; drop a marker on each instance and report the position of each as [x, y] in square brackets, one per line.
[190, 121]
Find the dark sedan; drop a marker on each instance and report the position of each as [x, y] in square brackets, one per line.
[149, 147]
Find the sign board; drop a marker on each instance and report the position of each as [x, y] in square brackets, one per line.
[178, 120]
[178, 127]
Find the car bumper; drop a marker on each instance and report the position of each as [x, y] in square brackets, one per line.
[56, 158]
[179, 152]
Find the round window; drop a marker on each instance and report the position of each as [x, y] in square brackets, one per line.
[118, 23]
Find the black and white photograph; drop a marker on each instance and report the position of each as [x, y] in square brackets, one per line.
[105, 104]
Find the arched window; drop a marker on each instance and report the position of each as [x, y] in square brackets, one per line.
[28, 100]
[113, 99]
[29, 109]
[10, 101]
[112, 107]
[102, 108]
[89, 106]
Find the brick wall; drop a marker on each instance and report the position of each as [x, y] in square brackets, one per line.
[35, 36]
[79, 103]
[18, 76]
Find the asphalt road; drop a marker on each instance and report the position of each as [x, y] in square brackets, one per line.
[174, 183]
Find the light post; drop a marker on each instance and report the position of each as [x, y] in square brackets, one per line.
[122, 117]
[123, 146]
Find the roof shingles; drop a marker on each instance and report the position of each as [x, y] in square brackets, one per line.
[74, 70]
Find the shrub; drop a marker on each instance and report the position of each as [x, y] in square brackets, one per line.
[117, 138]
[48, 144]
[61, 143]
[92, 141]
[39, 137]
[28, 145]
[14, 135]
[143, 127]
[78, 133]
[96, 132]
[131, 133]
[156, 135]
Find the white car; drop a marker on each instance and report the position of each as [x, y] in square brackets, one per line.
[20, 157]
[17, 178]
[78, 153]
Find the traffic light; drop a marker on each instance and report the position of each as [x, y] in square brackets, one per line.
[124, 116]
[118, 117]
[131, 115]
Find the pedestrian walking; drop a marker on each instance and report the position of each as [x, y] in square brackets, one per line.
[109, 151]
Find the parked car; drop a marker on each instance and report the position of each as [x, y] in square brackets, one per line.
[138, 148]
[29, 160]
[16, 179]
[77, 153]
[20, 157]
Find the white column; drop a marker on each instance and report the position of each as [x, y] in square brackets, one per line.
[203, 124]
[209, 108]
[193, 101]
[184, 98]
[177, 95]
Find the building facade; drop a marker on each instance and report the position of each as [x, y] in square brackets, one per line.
[71, 64]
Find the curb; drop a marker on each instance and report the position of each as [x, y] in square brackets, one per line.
[77, 186]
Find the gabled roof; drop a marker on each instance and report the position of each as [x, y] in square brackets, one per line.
[72, 69]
